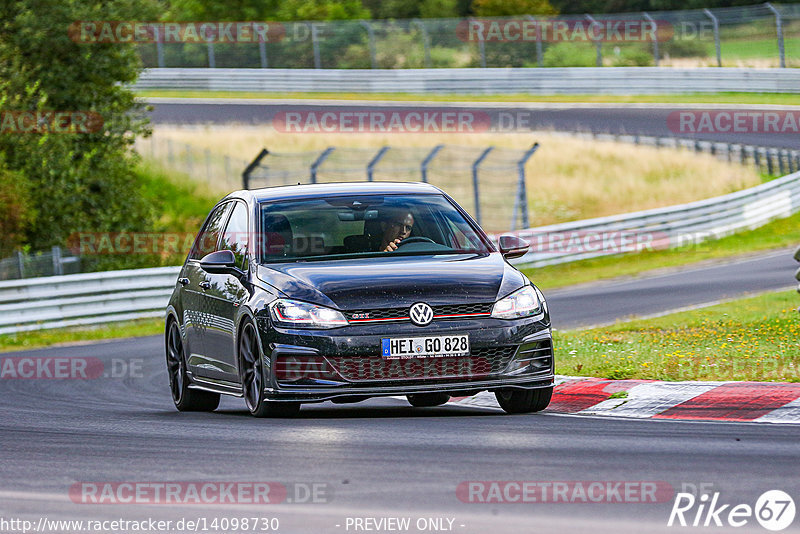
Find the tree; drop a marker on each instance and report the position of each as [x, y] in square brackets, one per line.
[507, 8]
[80, 181]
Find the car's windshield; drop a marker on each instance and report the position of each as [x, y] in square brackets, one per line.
[364, 225]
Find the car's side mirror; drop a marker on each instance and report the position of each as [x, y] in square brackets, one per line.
[512, 246]
[220, 262]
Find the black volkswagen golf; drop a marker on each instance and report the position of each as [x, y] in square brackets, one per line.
[344, 292]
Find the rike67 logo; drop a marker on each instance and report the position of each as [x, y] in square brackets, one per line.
[774, 510]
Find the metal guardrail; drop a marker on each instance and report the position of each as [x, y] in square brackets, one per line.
[96, 298]
[84, 299]
[668, 227]
[578, 80]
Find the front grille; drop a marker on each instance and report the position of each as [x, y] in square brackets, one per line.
[481, 363]
[402, 313]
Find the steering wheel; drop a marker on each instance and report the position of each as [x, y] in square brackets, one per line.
[415, 239]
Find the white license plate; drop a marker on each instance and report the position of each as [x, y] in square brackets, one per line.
[425, 347]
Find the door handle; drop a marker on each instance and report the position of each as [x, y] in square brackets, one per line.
[183, 281]
[205, 284]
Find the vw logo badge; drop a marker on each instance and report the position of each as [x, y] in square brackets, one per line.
[421, 314]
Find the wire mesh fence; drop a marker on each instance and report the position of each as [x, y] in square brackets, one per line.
[757, 35]
[488, 182]
[51, 263]
[221, 171]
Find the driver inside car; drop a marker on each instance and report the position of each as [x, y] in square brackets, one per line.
[396, 227]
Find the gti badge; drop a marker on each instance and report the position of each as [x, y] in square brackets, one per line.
[421, 314]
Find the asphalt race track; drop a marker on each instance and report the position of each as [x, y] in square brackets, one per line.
[633, 119]
[382, 458]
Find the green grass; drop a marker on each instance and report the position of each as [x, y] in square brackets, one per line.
[754, 48]
[756, 338]
[714, 98]
[60, 336]
[777, 234]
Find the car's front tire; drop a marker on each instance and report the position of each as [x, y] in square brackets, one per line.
[185, 399]
[423, 400]
[524, 400]
[251, 374]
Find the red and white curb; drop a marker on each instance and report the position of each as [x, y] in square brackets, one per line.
[760, 402]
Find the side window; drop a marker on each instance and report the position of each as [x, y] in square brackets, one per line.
[235, 236]
[206, 241]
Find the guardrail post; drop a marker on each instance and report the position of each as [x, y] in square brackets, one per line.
[425, 162]
[757, 158]
[374, 161]
[715, 23]
[20, 264]
[250, 168]
[318, 162]
[481, 43]
[768, 157]
[315, 45]
[649, 19]
[475, 188]
[58, 267]
[779, 29]
[539, 52]
[262, 52]
[212, 62]
[522, 193]
[159, 47]
[597, 43]
[781, 167]
[371, 36]
[426, 41]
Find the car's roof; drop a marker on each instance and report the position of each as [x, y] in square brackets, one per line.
[334, 189]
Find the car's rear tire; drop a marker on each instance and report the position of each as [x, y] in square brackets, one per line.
[185, 399]
[424, 400]
[251, 374]
[524, 400]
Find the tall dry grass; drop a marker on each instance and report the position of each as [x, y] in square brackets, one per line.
[568, 178]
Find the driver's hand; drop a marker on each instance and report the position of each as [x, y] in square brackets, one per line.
[392, 246]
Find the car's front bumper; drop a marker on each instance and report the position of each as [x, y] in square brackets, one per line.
[362, 343]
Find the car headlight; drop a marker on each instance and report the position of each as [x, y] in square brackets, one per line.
[521, 303]
[299, 314]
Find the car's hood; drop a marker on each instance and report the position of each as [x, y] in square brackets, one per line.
[387, 282]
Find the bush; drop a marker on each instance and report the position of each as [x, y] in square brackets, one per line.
[569, 55]
[683, 48]
[633, 57]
